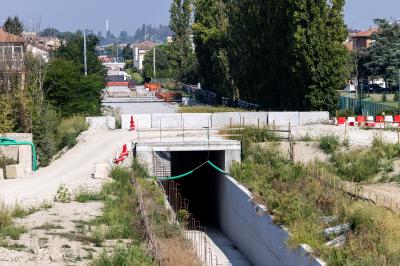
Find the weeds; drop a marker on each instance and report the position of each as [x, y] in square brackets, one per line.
[298, 197]
[63, 194]
[131, 255]
[86, 195]
[48, 226]
[329, 144]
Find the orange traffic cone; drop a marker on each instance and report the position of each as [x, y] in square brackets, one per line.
[124, 152]
[132, 124]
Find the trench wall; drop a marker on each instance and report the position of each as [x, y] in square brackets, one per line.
[251, 229]
[221, 120]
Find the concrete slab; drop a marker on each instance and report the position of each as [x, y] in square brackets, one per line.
[284, 118]
[221, 120]
[196, 120]
[307, 118]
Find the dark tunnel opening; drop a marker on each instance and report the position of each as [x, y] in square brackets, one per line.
[201, 187]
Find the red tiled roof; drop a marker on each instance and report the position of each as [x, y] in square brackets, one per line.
[6, 37]
[366, 33]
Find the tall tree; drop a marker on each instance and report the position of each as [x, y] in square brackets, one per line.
[14, 26]
[165, 65]
[182, 50]
[283, 54]
[210, 37]
[383, 58]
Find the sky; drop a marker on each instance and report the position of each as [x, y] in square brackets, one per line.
[130, 14]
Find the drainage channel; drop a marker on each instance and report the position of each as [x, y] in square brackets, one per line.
[195, 200]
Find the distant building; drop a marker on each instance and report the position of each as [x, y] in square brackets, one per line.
[362, 39]
[11, 58]
[39, 51]
[139, 51]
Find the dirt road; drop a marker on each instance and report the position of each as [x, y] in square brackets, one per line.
[73, 169]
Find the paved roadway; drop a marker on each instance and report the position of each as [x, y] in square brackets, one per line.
[144, 108]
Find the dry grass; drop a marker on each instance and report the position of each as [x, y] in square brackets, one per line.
[177, 251]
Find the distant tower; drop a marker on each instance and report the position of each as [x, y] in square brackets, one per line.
[107, 25]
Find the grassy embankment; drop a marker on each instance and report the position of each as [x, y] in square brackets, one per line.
[298, 197]
[122, 219]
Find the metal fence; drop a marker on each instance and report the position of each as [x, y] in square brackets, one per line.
[365, 107]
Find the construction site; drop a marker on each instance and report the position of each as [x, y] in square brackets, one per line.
[209, 168]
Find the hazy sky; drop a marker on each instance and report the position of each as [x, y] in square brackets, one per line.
[130, 14]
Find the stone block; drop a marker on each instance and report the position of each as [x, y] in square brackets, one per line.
[14, 171]
[101, 170]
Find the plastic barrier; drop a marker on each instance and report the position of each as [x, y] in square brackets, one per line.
[341, 120]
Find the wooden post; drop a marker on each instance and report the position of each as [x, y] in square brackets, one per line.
[398, 136]
[258, 123]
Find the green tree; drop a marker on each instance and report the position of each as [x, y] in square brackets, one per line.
[14, 25]
[182, 51]
[210, 34]
[383, 58]
[285, 55]
[165, 65]
[70, 91]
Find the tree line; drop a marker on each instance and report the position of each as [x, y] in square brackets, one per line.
[281, 54]
[52, 94]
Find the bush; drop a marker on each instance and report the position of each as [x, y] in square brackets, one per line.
[63, 194]
[69, 129]
[345, 113]
[329, 144]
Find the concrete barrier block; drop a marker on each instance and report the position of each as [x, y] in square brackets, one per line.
[167, 120]
[142, 121]
[254, 118]
[198, 120]
[221, 120]
[101, 170]
[307, 118]
[1, 174]
[284, 118]
[104, 122]
[15, 171]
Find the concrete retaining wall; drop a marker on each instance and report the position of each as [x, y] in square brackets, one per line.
[220, 120]
[252, 230]
[307, 118]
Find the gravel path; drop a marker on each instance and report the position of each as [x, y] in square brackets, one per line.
[73, 169]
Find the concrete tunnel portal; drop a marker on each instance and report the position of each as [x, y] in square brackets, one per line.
[200, 189]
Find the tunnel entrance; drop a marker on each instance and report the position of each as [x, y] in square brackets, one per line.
[200, 189]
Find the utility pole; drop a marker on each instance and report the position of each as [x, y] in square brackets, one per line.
[154, 61]
[117, 50]
[398, 96]
[84, 50]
